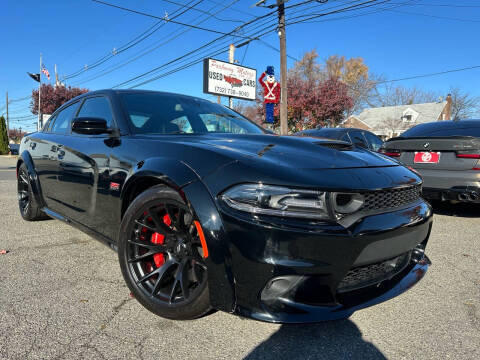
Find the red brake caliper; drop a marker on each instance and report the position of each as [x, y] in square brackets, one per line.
[157, 238]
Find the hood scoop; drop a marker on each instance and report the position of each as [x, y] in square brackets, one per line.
[340, 146]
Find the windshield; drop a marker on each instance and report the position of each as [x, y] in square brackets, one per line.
[160, 113]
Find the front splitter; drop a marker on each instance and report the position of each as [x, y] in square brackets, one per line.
[304, 313]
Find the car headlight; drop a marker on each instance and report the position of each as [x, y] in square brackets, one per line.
[290, 202]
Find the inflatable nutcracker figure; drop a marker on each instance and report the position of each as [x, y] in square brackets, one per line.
[271, 92]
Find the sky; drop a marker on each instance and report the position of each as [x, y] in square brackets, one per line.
[396, 38]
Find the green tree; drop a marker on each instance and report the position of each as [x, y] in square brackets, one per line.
[3, 137]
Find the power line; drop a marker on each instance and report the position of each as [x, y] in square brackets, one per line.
[379, 9]
[165, 18]
[26, 117]
[195, 61]
[175, 34]
[203, 12]
[233, 9]
[138, 39]
[434, 16]
[430, 74]
[444, 5]
[162, 66]
[362, 5]
[196, 50]
[276, 49]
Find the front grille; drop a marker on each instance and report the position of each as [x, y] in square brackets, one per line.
[391, 198]
[367, 275]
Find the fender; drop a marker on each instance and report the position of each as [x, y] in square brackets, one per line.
[220, 276]
[32, 177]
[173, 173]
[181, 177]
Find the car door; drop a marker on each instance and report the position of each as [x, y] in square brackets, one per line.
[46, 146]
[84, 177]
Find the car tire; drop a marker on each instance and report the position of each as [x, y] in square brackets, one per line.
[28, 205]
[158, 236]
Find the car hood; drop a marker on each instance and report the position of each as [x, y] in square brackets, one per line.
[290, 151]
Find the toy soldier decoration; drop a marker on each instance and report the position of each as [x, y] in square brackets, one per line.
[271, 92]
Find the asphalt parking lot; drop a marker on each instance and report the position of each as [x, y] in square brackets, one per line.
[62, 296]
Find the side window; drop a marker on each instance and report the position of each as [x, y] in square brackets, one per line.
[345, 138]
[375, 142]
[222, 124]
[183, 124]
[48, 126]
[358, 139]
[62, 119]
[98, 107]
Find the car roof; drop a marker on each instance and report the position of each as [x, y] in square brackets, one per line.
[339, 130]
[123, 91]
[450, 124]
[445, 125]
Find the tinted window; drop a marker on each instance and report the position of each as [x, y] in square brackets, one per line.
[98, 107]
[346, 138]
[62, 119]
[358, 139]
[158, 113]
[48, 125]
[374, 141]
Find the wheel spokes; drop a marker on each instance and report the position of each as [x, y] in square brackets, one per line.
[150, 246]
[161, 271]
[164, 253]
[23, 178]
[145, 225]
[160, 226]
[181, 278]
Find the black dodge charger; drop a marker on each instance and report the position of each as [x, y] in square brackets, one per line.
[208, 211]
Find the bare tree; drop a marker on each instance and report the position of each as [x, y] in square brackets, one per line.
[464, 105]
[308, 68]
[392, 125]
[392, 95]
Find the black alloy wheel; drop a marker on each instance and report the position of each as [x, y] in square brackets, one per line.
[23, 191]
[161, 255]
[29, 208]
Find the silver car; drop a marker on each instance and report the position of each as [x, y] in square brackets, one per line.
[447, 156]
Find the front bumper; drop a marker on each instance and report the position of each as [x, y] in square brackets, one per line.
[312, 260]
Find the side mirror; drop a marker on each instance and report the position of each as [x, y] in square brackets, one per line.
[90, 126]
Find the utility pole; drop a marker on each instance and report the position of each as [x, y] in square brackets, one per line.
[39, 94]
[8, 126]
[280, 4]
[283, 67]
[56, 77]
[231, 60]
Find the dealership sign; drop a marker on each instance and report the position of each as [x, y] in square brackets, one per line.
[225, 79]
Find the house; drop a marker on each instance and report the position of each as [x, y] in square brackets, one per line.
[391, 121]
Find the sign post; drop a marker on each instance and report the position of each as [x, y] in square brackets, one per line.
[225, 79]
